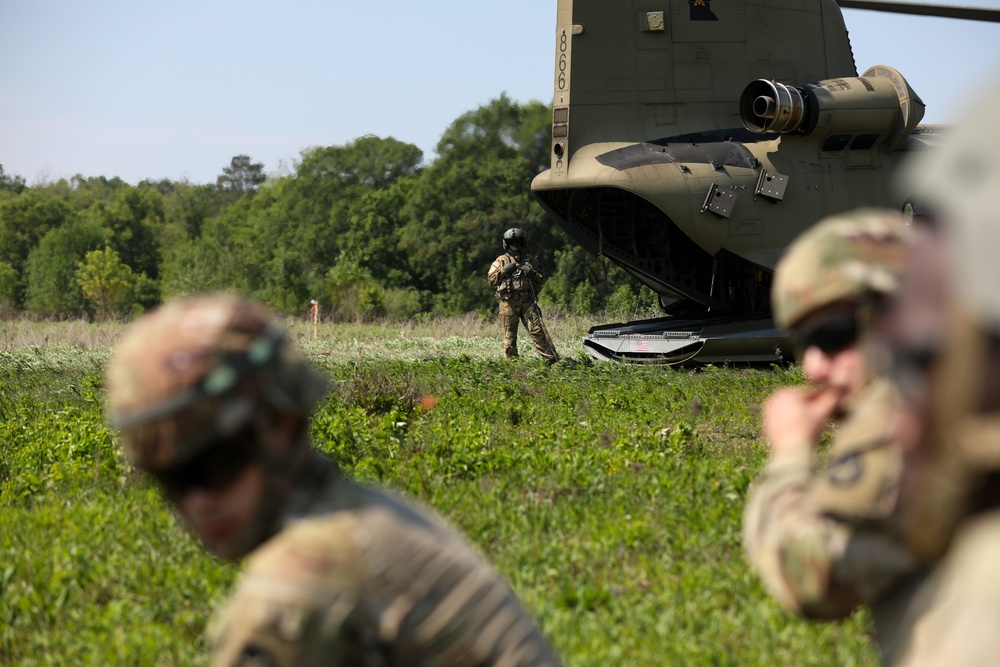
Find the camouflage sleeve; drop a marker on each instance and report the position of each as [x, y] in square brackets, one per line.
[538, 277]
[790, 547]
[494, 276]
[816, 539]
[449, 607]
[377, 585]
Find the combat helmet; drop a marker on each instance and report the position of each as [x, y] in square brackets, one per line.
[199, 370]
[845, 257]
[513, 235]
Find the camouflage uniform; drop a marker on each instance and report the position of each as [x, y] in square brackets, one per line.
[954, 616]
[337, 574]
[358, 577]
[950, 514]
[817, 538]
[517, 290]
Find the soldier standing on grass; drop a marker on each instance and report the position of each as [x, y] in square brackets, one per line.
[517, 281]
[212, 402]
[819, 538]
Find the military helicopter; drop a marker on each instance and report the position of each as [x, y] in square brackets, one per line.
[692, 140]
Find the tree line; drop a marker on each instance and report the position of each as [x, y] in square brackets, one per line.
[367, 228]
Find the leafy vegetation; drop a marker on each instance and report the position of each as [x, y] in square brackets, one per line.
[609, 496]
[369, 229]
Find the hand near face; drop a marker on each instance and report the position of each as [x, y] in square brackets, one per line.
[794, 417]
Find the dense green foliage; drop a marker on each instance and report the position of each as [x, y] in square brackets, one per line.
[609, 496]
[368, 228]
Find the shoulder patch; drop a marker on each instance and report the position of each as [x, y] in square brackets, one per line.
[846, 471]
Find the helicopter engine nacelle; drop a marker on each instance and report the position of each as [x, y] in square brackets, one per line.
[880, 101]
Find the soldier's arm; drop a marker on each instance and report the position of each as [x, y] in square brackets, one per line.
[821, 554]
[789, 546]
[499, 270]
[537, 275]
[494, 275]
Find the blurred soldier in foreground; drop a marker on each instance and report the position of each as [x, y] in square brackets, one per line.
[517, 282]
[943, 340]
[212, 402]
[815, 536]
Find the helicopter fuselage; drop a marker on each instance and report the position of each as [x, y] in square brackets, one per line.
[706, 221]
[651, 169]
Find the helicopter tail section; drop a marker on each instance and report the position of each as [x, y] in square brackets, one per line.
[693, 140]
[641, 71]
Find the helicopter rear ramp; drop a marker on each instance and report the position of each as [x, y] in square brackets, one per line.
[674, 340]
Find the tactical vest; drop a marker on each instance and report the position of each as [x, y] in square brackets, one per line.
[516, 286]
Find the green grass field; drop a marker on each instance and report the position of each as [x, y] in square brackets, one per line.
[609, 496]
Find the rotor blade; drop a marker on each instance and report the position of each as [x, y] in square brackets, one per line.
[920, 9]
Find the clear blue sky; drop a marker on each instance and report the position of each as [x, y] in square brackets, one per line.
[175, 89]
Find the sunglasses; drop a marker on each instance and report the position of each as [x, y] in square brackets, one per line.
[830, 336]
[220, 462]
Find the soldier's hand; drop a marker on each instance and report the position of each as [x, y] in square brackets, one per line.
[527, 267]
[795, 417]
[507, 268]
